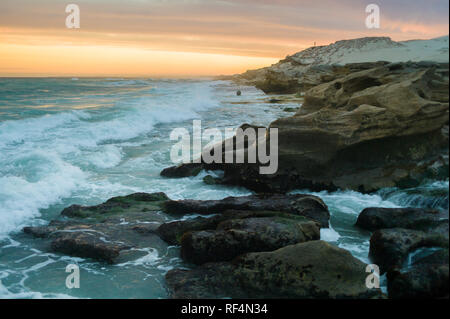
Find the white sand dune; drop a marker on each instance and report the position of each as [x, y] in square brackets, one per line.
[375, 49]
[370, 49]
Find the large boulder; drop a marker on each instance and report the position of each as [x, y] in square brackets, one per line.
[173, 231]
[238, 236]
[313, 269]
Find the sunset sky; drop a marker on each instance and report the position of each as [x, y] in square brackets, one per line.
[180, 38]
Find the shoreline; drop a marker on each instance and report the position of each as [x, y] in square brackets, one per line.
[352, 122]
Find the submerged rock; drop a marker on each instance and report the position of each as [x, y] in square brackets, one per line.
[313, 269]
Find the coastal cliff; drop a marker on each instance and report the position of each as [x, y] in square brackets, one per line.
[375, 125]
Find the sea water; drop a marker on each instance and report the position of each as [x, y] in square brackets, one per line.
[81, 141]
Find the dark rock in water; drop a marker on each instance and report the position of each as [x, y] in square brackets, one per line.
[299, 204]
[238, 236]
[238, 93]
[183, 170]
[389, 248]
[313, 269]
[375, 218]
[427, 278]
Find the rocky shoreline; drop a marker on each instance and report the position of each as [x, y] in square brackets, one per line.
[259, 246]
[363, 127]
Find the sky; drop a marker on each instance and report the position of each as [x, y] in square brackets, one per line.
[187, 38]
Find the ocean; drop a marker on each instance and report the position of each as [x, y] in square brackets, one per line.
[81, 141]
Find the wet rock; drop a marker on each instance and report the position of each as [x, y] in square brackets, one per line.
[290, 109]
[106, 241]
[374, 218]
[134, 203]
[238, 236]
[427, 278]
[84, 244]
[389, 248]
[109, 232]
[298, 204]
[313, 269]
[172, 232]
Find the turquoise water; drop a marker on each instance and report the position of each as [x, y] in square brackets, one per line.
[82, 141]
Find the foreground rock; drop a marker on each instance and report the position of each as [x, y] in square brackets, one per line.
[313, 269]
[122, 227]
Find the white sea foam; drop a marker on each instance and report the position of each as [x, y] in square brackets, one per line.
[23, 195]
[45, 159]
